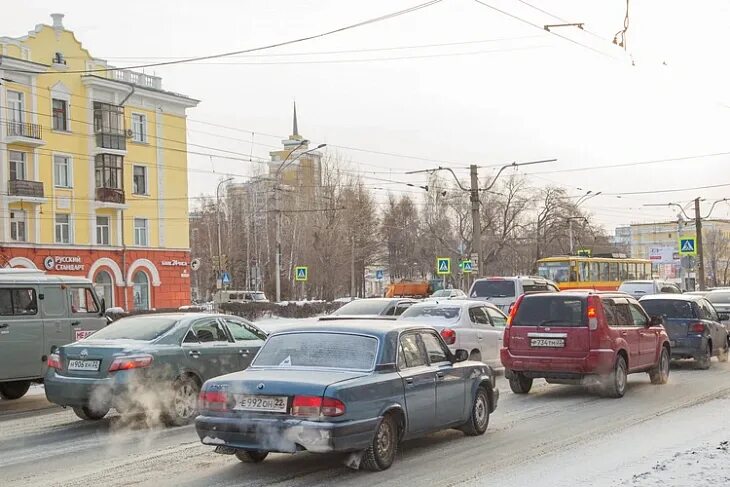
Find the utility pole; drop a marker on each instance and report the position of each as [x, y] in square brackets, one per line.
[700, 250]
[476, 223]
[570, 234]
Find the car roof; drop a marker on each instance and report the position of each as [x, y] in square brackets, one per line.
[180, 316]
[35, 276]
[378, 328]
[582, 293]
[453, 303]
[672, 297]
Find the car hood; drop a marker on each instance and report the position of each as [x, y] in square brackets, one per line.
[284, 381]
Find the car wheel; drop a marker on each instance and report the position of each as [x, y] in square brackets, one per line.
[14, 390]
[183, 406]
[381, 452]
[90, 414]
[252, 456]
[703, 362]
[479, 418]
[614, 385]
[660, 374]
[519, 383]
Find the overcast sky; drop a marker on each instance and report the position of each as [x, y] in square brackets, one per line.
[522, 94]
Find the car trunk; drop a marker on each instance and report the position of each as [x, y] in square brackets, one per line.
[282, 381]
[678, 327]
[92, 358]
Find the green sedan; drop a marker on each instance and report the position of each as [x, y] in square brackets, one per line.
[150, 364]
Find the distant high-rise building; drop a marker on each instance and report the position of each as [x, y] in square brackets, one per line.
[293, 167]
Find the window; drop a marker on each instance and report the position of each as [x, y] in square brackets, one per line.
[613, 271]
[63, 228]
[669, 308]
[478, 316]
[102, 230]
[603, 271]
[109, 171]
[555, 271]
[54, 301]
[104, 287]
[412, 353]
[145, 328]
[498, 318]
[140, 232]
[139, 127]
[550, 310]
[209, 330]
[329, 350]
[433, 313]
[141, 290]
[18, 302]
[638, 315]
[139, 180]
[17, 225]
[17, 165]
[708, 310]
[17, 114]
[109, 126]
[83, 300]
[434, 349]
[243, 332]
[62, 171]
[401, 307]
[60, 115]
[493, 289]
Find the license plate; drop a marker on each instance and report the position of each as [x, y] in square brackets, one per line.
[92, 365]
[547, 342]
[274, 404]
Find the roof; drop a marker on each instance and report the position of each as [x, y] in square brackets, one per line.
[378, 328]
[671, 297]
[34, 276]
[454, 303]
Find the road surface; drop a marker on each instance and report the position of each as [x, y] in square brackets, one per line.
[557, 435]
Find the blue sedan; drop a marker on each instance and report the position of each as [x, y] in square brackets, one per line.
[351, 386]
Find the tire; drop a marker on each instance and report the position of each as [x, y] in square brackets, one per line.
[519, 383]
[252, 456]
[381, 452]
[614, 384]
[479, 417]
[183, 406]
[660, 373]
[14, 390]
[88, 414]
[703, 362]
[475, 355]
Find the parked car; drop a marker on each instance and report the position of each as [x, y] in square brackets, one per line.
[351, 387]
[375, 306]
[40, 313]
[720, 299]
[504, 291]
[448, 294]
[638, 289]
[693, 325]
[474, 326]
[231, 296]
[150, 362]
[583, 337]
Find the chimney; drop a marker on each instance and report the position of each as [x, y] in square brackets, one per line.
[57, 21]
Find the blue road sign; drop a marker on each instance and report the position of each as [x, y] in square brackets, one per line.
[379, 274]
[301, 273]
[225, 278]
[466, 266]
[687, 246]
[443, 266]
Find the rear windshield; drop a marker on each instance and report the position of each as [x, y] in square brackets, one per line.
[554, 310]
[668, 308]
[363, 307]
[493, 289]
[144, 328]
[718, 297]
[258, 296]
[432, 313]
[320, 350]
[637, 287]
[441, 293]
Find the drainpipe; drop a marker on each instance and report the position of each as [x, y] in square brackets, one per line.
[124, 243]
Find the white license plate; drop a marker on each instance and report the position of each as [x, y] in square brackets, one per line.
[274, 404]
[92, 365]
[547, 342]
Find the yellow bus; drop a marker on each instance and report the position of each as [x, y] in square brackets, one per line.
[600, 273]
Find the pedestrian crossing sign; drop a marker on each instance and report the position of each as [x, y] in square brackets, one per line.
[467, 266]
[301, 273]
[443, 266]
[687, 246]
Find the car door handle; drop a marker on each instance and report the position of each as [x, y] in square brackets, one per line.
[409, 380]
[244, 352]
[75, 323]
[194, 353]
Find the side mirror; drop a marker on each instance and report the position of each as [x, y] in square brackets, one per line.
[656, 321]
[723, 316]
[103, 307]
[461, 355]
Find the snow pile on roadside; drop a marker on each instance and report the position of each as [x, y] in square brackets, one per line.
[706, 465]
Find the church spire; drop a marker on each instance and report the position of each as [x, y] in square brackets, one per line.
[295, 128]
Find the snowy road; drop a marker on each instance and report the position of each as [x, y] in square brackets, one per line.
[558, 435]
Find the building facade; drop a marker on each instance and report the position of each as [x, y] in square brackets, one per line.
[93, 171]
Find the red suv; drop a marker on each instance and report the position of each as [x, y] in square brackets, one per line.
[572, 336]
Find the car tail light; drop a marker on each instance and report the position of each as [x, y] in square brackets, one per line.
[315, 406]
[697, 327]
[592, 312]
[213, 401]
[54, 361]
[513, 310]
[449, 336]
[131, 362]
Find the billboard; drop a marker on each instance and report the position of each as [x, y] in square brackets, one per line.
[662, 255]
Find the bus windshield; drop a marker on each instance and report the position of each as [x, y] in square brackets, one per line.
[555, 271]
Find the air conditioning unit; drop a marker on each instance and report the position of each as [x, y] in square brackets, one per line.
[129, 133]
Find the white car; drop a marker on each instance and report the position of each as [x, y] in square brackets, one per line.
[447, 294]
[474, 326]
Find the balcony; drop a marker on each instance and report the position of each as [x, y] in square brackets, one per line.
[114, 196]
[24, 133]
[30, 191]
[139, 79]
[111, 140]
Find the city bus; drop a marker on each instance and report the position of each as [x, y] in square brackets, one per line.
[600, 273]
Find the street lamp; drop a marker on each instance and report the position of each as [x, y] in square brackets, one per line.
[218, 218]
[277, 175]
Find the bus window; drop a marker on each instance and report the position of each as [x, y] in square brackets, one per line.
[623, 271]
[595, 275]
[632, 271]
[584, 274]
[603, 271]
[613, 271]
[647, 271]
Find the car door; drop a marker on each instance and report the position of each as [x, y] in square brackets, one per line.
[56, 316]
[620, 320]
[450, 381]
[21, 334]
[471, 335]
[85, 312]
[486, 335]
[648, 336]
[208, 349]
[499, 322]
[247, 340]
[717, 330]
[419, 384]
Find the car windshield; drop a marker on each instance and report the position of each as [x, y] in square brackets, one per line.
[493, 289]
[715, 297]
[553, 310]
[668, 308]
[432, 313]
[363, 307]
[145, 328]
[441, 293]
[319, 350]
[258, 296]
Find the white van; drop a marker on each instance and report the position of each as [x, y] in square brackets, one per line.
[504, 291]
[39, 313]
[638, 289]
